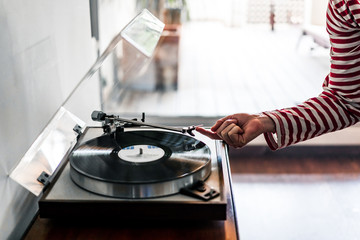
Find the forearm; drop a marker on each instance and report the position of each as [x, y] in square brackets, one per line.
[317, 116]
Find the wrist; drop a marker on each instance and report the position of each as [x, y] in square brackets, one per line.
[267, 123]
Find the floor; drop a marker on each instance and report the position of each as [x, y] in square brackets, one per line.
[223, 70]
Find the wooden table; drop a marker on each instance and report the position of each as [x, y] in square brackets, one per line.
[309, 192]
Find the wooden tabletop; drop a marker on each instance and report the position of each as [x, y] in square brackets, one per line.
[297, 193]
[68, 229]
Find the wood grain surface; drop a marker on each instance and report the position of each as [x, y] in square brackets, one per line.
[297, 193]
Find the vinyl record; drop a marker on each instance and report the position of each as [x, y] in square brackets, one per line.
[140, 164]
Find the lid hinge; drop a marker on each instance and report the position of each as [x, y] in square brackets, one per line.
[44, 178]
[77, 129]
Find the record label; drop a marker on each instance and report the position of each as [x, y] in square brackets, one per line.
[141, 153]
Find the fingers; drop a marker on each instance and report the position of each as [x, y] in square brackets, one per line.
[229, 132]
[221, 122]
[210, 134]
[222, 126]
[236, 130]
[218, 127]
[236, 138]
[233, 135]
[225, 125]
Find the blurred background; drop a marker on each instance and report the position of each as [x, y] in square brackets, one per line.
[215, 57]
[220, 57]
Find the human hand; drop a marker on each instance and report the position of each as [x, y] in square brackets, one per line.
[239, 129]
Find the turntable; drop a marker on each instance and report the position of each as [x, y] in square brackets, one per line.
[131, 169]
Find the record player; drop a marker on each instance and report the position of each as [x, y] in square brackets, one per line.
[118, 167]
[138, 172]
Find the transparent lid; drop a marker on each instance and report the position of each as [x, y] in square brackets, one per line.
[120, 66]
[47, 151]
[143, 32]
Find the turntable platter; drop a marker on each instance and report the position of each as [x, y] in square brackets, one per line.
[140, 164]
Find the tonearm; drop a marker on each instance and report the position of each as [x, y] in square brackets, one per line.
[109, 120]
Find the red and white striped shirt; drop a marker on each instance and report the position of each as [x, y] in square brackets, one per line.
[338, 106]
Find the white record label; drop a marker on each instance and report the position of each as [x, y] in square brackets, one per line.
[141, 153]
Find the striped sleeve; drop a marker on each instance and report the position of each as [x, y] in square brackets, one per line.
[338, 106]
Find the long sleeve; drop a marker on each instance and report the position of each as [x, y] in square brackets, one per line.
[338, 106]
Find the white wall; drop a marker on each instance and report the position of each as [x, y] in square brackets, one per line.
[315, 13]
[318, 13]
[45, 49]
